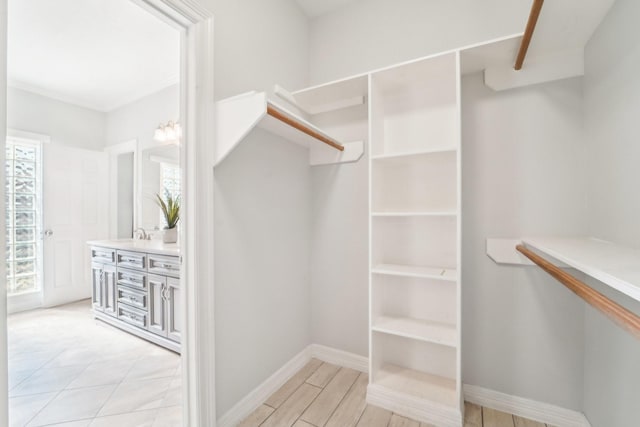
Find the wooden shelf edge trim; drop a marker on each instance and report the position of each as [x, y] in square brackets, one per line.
[621, 316]
[275, 113]
[536, 7]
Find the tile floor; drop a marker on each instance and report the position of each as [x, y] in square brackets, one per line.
[326, 395]
[68, 370]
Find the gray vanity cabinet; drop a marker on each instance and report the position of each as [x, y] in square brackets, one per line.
[174, 301]
[157, 305]
[104, 289]
[138, 292]
[164, 306]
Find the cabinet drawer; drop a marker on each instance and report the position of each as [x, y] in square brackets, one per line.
[135, 260]
[164, 265]
[133, 298]
[103, 255]
[133, 316]
[133, 279]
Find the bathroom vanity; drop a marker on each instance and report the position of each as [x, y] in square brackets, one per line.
[136, 287]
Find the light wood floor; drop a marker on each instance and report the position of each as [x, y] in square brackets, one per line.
[325, 395]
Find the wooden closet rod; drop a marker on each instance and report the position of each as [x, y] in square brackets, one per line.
[528, 32]
[275, 113]
[614, 311]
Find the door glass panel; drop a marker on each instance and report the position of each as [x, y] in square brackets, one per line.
[23, 199]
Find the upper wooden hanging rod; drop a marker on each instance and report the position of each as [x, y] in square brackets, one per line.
[275, 113]
[614, 311]
[536, 7]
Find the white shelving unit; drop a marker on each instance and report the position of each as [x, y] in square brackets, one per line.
[415, 240]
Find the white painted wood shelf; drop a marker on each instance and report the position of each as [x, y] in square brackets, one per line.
[422, 330]
[415, 240]
[413, 153]
[416, 271]
[238, 116]
[410, 213]
[614, 265]
[417, 384]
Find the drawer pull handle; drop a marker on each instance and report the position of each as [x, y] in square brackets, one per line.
[167, 266]
[132, 260]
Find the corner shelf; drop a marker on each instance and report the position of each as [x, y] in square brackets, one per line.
[422, 330]
[238, 116]
[446, 274]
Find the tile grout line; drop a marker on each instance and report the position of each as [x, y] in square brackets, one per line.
[58, 392]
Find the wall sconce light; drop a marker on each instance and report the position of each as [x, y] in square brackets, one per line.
[171, 132]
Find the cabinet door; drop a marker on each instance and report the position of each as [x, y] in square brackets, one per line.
[174, 301]
[157, 305]
[110, 294]
[96, 286]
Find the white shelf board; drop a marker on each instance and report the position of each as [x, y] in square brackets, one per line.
[614, 265]
[333, 95]
[411, 214]
[423, 330]
[236, 117]
[416, 271]
[417, 384]
[412, 153]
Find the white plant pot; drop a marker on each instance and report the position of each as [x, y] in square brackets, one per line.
[170, 235]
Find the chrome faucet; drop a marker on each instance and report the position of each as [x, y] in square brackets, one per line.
[140, 234]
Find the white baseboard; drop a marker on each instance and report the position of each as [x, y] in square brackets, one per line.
[525, 408]
[339, 357]
[255, 398]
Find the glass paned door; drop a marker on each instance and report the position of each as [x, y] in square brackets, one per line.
[23, 197]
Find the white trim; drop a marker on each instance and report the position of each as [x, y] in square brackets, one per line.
[257, 396]
[24, 301]
[28, 136]
[525, 408]
[4, 394]
[339, 357]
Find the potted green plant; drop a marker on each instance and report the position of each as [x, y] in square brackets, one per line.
[171, 211]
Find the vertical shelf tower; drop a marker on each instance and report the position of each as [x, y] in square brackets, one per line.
[414, 148]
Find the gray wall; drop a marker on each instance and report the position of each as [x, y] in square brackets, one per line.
[65, 123]
[262, 203]
[507, 312]
[262, 220]
[612, 109]
[364, 35]
[369, 34]
[523, 175]
[125, 195]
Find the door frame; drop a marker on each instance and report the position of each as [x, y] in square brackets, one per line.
[197, 112]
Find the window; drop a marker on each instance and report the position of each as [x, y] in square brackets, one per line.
[23, 200]
[170, 184]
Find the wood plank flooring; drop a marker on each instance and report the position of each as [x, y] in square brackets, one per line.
[326, 395]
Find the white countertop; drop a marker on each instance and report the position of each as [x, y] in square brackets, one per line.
[614, 265]
[149, 246]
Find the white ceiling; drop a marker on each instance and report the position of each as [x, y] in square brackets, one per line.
[99, 54]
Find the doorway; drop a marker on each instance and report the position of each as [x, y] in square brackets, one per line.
[196, 26]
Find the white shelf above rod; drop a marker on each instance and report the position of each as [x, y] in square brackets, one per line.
[237, 117]
[311, 110]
